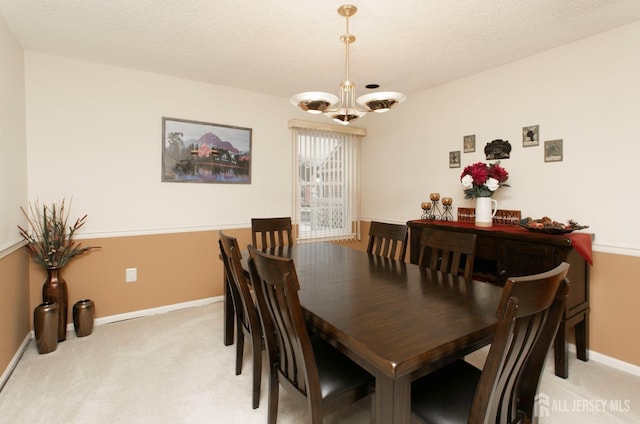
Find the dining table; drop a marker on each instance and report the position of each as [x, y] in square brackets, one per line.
[398, 321]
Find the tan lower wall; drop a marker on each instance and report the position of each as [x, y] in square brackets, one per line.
[615, 290]
[14, 305]
[172, 268]
[175, 268]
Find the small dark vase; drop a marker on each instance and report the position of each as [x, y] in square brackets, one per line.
[45, 327]
[54, 290]
[83, 314]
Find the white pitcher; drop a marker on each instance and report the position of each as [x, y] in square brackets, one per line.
[486, 208]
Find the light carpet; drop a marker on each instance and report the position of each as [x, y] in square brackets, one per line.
[174, 368]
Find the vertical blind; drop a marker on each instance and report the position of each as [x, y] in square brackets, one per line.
[327, 188]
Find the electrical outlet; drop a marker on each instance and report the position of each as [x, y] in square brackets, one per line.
[131, 275]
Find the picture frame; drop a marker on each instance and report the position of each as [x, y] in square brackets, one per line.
[553, 150]
[204, 152]
[531, 136]
[469, 143]
[454, 159]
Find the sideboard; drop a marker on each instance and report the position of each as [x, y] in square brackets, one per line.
[504, 251]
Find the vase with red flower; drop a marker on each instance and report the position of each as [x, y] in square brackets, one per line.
[480, 181]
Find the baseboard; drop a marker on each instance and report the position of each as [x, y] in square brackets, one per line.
[148, 312]
[153, 311]
[609, 361]
[14, 361]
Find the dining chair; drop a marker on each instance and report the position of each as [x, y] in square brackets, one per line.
[443, 251]
[246, 312]
[302, 363]
[504, 391]
[267, 233]
[388, 240]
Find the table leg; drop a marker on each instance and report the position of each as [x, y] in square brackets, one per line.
[392, 400]
[582, 338]
[228, 314]
[580, 324]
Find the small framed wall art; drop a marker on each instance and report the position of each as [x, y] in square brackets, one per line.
[454, 159]
[531, 136]
[469, 143]
[553, 150]
[201, 152]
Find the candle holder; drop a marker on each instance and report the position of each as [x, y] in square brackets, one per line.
[434, 212]
[446, 204]
[426, 210]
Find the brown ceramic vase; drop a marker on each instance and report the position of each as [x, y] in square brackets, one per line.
[54, 290]
[45, 327]
[83, 315]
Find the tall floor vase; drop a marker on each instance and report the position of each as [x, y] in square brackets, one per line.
[54, 290]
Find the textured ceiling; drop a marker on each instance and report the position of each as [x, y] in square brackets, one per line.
[283, 47]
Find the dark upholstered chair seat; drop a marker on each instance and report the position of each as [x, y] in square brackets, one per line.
[338, 374]
[446, 395]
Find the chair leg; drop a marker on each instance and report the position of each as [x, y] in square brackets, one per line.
[239, 348]
[256, 346]
[560, 348]
[273, 396]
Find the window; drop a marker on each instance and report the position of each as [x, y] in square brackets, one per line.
[327, 189]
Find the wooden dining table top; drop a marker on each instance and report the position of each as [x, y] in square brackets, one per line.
[398, 321]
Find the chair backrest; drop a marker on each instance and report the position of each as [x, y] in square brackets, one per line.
[246, 311]
[268, 233]
[288, 343]
[529, 315]
[388, 240]
[442, 250]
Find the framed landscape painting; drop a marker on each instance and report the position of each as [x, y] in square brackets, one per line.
[202, 152]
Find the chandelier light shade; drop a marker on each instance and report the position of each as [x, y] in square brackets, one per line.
[345, 108]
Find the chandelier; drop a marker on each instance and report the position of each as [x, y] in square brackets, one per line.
[345, 108]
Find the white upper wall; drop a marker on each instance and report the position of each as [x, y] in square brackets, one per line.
[13, 170]
[585, 93]
[95, 134]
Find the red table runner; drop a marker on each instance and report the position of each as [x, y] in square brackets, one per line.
[580, 241]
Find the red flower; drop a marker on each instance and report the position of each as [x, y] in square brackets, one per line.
[481, 179]
[478, 171]
[499, 173]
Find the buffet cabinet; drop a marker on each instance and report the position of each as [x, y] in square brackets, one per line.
[505, 251]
